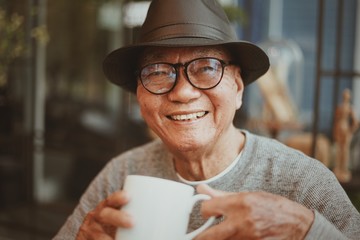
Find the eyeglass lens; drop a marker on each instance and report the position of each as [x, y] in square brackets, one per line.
[202, 73]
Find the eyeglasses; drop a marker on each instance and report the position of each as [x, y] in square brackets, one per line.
[202, 73]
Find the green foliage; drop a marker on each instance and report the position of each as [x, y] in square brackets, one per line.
[12, 43]
[236, 14]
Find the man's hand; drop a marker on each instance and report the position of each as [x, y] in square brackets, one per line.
[254, 215]
[101, 223]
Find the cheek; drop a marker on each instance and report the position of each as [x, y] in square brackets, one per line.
[144, 103]
[225, 107]
[145, 109]
[149, 106]
[233, 98]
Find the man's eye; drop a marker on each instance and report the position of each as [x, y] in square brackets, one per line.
[156, 71]
[207, 69]
[158, 74]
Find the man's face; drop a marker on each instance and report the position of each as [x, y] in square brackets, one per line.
[187, 118]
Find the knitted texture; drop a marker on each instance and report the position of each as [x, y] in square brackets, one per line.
[265, 165]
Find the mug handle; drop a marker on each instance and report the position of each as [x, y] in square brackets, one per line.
[207, 224]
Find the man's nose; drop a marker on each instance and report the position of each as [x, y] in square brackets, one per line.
[183, 91]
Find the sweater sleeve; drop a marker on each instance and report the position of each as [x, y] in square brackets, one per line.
[323, 229]
[106, 182]
[149, 159]
[290, 173]
[335, 215]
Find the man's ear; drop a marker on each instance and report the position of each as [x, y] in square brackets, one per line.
[240, 87]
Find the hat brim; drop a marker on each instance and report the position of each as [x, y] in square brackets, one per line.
[120, 65]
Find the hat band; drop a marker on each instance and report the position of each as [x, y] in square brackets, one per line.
[186, 30]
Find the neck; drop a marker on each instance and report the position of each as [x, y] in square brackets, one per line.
[210, 160]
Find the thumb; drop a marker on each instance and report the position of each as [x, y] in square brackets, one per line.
[206, 189]
[212, 207]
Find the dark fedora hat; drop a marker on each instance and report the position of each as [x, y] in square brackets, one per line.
[181, 23]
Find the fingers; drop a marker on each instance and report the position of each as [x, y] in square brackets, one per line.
[205, 189]
[91, 229]
[222, 231]
[102, 222]
[108, 211]
[115, 217]
[218, 207]
[117, 199]
[256, 214]
[214, 206]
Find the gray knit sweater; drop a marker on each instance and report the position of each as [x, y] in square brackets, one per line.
[265, 165]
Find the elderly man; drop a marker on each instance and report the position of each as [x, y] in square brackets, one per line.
[189, 73]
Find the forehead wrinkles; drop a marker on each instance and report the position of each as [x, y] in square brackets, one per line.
[153, 54]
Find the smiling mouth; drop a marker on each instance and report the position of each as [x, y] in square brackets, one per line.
[188, 117]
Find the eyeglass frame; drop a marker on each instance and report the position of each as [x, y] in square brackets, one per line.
[177, 66]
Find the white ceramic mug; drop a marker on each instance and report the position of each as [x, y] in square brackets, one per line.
[160, 208]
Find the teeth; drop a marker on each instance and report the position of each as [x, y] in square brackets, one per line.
[187, 117]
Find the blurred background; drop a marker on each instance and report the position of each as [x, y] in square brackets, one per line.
[61, 121]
